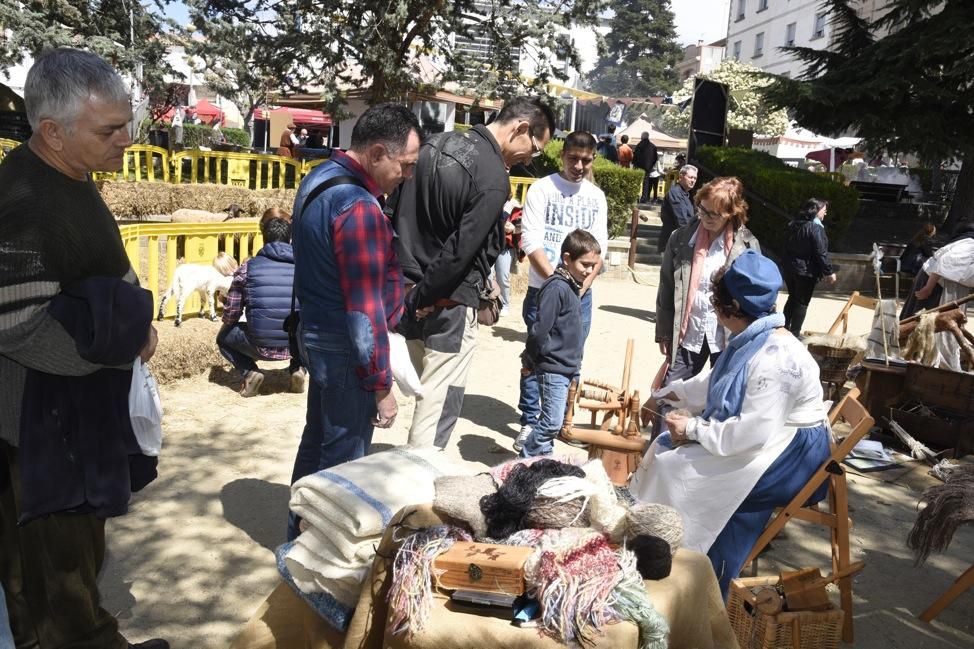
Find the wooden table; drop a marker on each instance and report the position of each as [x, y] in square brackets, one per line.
[881, 387]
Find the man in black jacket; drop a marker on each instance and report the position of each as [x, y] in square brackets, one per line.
[449, 222]
[645, 157]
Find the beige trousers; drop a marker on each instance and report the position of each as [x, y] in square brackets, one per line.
[444, 378]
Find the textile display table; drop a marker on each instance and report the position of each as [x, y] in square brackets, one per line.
[689, 599]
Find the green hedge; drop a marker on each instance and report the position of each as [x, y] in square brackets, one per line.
[621, 186]
[784, 187]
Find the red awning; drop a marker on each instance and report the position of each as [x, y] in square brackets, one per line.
[300, 116]
[206, 111]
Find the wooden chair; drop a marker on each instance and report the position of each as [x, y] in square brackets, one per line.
[854, 300]
[963, 583]
[836, 519]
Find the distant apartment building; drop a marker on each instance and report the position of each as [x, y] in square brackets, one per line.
[757, 28]
[700, 58]
[479, 47]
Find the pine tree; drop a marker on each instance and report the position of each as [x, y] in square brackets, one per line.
[905, 83]
[641, 51]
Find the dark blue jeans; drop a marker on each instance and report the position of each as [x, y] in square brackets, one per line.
[233, 343]
[529, 402]
[554, 398]
[338, 426]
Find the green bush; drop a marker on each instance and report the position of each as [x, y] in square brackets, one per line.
[237, 136]
[621, 186]
[785, 188]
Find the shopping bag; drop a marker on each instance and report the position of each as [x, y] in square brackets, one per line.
[145, 409]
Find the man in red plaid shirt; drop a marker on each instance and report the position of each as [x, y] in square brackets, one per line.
[349, 284]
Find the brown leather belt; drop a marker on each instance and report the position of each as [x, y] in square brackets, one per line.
[445, 302]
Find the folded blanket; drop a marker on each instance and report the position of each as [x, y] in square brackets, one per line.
[360, 497]
[347, 508]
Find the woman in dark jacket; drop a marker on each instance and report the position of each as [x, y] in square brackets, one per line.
[806, 261]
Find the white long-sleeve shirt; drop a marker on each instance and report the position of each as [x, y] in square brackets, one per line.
[554, 207]
[708, 481]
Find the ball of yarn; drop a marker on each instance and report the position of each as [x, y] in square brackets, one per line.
[651, 519]
[653, 557]
[547, 513]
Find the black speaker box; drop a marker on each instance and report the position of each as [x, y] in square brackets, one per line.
[740, 137]
[708, 115]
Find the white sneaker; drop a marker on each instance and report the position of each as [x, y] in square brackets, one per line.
[522, 437]
[505, 312]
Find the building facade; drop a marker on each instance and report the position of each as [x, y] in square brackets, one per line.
[756, 29]
[700, 59]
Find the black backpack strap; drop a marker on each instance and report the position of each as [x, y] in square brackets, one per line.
[291, 322]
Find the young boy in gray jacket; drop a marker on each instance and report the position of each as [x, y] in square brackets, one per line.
[554, 349]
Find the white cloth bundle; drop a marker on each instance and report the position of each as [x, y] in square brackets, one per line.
[402, 368]
[348, 507]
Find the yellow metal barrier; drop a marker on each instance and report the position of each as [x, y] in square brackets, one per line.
[141, 162]
[155, 249]
[236, 169]
[6, 145]
[519, 187]
[308, 165]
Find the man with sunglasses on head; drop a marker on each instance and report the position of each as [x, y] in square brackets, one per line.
[450, 223]
[555, 206]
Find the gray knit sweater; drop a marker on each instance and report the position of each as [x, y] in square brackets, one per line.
[54, 231]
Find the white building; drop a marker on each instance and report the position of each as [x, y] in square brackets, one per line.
[585, 40]
[700, 59]
[757, 28]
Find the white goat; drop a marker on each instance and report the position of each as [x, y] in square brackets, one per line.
[207, 281]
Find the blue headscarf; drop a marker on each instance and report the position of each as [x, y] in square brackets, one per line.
[753, 281]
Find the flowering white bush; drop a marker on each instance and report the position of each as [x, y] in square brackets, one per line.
[746, 109]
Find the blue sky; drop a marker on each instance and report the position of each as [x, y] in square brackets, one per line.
[703, 19]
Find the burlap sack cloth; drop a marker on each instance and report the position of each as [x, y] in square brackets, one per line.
[689, 599]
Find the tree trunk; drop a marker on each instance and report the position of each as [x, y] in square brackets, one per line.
[962, 205]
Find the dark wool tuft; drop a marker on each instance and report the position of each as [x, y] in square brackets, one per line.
[505, 510]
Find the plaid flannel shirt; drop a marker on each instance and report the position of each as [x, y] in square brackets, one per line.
[233, 307]
[369, 272]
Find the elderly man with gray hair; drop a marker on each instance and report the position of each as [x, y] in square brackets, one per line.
[68, 456]
[677, 208]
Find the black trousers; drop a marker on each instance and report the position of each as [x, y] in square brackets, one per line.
[49, 568]
[800, 291]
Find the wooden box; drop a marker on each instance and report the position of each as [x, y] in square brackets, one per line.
[948, 393]
[482, 567]
[785, 630]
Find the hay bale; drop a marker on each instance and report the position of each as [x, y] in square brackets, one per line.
[211, 198]
[136, 200]
[186, 351]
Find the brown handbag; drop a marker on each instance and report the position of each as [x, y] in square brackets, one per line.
[489, 308]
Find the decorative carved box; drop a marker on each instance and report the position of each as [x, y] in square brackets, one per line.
[482, 567]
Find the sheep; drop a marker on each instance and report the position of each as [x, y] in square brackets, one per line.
[186, 215]
[205, 280]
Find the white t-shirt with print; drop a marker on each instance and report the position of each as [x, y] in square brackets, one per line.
[554, 207]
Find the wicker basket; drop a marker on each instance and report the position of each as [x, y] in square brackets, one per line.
[799, 630]
[833, 362]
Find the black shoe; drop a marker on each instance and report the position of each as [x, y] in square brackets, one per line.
[155, 643]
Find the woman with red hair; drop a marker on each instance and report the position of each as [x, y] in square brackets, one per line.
[687, 329]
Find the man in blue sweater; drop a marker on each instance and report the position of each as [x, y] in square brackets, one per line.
[554, 349]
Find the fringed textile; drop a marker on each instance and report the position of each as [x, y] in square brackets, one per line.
[411, 591]
[631, 602]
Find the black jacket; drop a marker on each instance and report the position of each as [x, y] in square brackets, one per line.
[807, 250]
[676, 212]
[449, 217]
[644, 156]
[555, 340]
[77, 448]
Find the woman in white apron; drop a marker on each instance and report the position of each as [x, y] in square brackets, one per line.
[759, 430]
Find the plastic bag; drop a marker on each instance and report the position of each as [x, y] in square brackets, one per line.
[402, 367]
[145, 409]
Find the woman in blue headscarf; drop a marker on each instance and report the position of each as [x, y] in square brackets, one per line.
[758, 430]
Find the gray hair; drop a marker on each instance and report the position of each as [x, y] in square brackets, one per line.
[685, 169]
[62, 79]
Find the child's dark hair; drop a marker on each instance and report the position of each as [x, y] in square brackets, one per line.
[578, 243]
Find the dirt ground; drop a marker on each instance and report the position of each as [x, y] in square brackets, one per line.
[193, 559]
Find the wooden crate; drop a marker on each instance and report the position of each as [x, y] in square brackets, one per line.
[946, 392]
[786, 630]
[482, 567]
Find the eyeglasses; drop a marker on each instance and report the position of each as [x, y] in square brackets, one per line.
[704, 213]
[535, 147]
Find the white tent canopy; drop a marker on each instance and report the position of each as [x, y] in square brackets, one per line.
[661, 140]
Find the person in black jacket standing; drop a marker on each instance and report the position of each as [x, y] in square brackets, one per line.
[806, 261]
[450, 227]
[645, 157]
